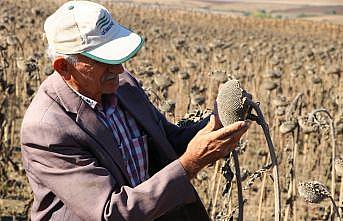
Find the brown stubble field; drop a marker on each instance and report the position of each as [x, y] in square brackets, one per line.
[292, 67]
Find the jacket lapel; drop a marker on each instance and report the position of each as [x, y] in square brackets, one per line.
[138, 106]
[88, 121]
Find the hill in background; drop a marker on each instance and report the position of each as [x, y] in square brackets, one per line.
[316, 10]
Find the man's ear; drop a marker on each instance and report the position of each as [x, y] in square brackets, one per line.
[61, 65]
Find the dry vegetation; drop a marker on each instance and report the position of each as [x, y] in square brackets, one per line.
[293, 68]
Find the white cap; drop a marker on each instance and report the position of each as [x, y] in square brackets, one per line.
[88, 28]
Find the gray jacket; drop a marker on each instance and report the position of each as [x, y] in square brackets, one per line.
[76, 173]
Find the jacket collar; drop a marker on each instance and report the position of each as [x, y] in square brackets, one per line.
[65, 95]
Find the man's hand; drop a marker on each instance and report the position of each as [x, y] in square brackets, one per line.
[210, 144]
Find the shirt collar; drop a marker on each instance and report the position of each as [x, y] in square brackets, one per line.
[92, 103]
[110, 102]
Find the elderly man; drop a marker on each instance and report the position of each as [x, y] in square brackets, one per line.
[94, 147]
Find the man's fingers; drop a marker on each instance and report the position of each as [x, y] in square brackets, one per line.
[231, 129]
[242, 131]
[231, 147]
[235, 137]
[232, 141]
[210, 126]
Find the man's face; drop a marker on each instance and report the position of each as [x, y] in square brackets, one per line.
[92, 78]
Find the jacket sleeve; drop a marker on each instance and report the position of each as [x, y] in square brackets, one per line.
[75, 176]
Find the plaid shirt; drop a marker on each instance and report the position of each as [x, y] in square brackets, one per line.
[131, 139]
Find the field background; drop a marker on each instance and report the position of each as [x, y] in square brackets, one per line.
[317, 10]
[190, 50]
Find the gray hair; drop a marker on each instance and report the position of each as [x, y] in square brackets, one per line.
[52, 54]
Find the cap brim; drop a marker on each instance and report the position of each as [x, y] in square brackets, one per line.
[123, 47]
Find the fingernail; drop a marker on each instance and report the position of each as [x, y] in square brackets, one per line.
[247, 123]
[241, 124]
